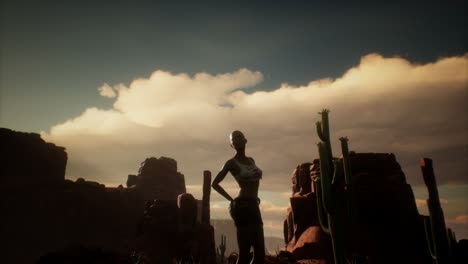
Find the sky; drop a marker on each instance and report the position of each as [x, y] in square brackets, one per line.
[117, 82]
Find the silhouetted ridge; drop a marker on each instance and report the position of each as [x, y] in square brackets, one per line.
[43, 214]
[27, 159]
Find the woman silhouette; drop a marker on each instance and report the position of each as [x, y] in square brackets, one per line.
[244, 209]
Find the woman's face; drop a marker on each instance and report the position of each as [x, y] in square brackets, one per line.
[238, 140]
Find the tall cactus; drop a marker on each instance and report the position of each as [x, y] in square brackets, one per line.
[348, 186]
[452, 242]
[332, 189]
[436, 230]
[323, 132]
[222, 247]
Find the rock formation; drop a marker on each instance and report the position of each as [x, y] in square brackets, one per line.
[387, 228]
[301, 180]
[27, 160]
[302, 234]
[158, 179]
[43, 214]
[169, 231]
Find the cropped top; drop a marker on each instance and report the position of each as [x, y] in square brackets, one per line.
[248, 172]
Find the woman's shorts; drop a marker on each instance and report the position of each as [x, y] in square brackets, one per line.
[245, 211]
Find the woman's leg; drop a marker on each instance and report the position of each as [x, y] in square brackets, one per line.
[258, 243]
[243, 242]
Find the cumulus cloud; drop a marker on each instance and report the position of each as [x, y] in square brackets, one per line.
[180, 101]
[107, 91]
[381, 104]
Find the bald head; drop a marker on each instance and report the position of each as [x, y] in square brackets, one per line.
[238, 140]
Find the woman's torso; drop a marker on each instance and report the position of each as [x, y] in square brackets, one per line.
[247, 175]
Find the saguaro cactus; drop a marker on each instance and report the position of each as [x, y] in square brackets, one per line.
[222, 247]
[332, 189]
[348, 187]
[436, 231]
[452, 242]
[323, 132]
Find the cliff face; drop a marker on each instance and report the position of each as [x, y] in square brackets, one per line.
[44, 213]
[302, 234]
[387, 227]
[39, 220]
[27, 160]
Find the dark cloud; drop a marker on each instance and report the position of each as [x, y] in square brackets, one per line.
[67, 49]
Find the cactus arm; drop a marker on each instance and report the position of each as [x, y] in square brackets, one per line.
[437, 220]
[322, 216]
[323, 131]
[337, 171]
[320, 134]
[452, 243]
[222, 247]
[224, 243]
[453, 236]
[348, 179]
[325, 127]
[346, 162]
[429, 237]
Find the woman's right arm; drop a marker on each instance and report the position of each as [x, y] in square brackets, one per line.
[221, 175]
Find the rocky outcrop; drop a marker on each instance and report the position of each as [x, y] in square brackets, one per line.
[158, 179]
[39, 220]
[301, 184]
[169, 231]
[27, 159]
[43, 214]
[387, 227]
[303, 237]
